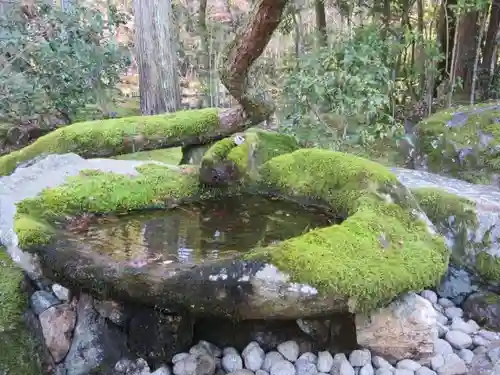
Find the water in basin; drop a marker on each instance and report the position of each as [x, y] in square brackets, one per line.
[197, 232]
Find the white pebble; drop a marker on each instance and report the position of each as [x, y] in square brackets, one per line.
[480, 341]
[458, 324]
[467, 355]
[283, 367]
[380, 362]
[425, 371]
[341, 365]
[430, 296]
[384, 371]
[408, 364]
[61, 292]
[230, 350]
[304, 367]
[232, 362]
[445, 302]
[289, 349]
[453, 365]
[310, 357]
[359, 358]
[403, 371]
[367, 370]
[458, 340]
[253, 356]
[325, 361]
[442, 347]
[453, 312]
[437, 362]
[270, 359]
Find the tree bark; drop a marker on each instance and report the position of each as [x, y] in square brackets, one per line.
[241, 53]
[319, 6]
[156, 58]
[467, 42]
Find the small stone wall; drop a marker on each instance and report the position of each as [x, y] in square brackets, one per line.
[83, 335]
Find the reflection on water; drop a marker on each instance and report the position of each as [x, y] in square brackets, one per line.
[197, 232]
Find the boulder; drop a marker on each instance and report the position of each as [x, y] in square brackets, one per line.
[463, 141]
[467, 215]
[487, 361]
[407, 328]
[484, 307]
[384, 247]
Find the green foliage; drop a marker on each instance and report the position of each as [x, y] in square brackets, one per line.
[55, 62]
[353, 79]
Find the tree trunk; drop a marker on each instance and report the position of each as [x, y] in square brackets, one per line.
[489, 46]
[319, 6]
[204, 68]
[445, 35]
[156, 58]
[241, 53]
[467, 39]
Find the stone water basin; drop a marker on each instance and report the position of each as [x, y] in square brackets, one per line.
[191, 253]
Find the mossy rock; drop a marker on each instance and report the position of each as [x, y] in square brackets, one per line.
[457, 219]
[384, 247]
[380, 251]
[247, 152]
[18, 354]
[463, 141]
[105, 138]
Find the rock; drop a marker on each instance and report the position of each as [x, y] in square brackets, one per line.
[289, 350]
[458, 339]
[111, 310]
[263, 290]
[309, 357]
[156, 336]
[232, 362]
[242, 372]
[57, 324]
[453, 312]
[304, 367]
[467, 355]
[453, 365]
[442, 347]
[61, 292]
[325, 361]
[457, 208]
[484, 307]
[253, 356]
[42, 300]
[425, 371]
[402, 371]
[470, 327]
[367, 370]
[384, 371]
[380, 362]
[270, 359]
[95, 344]
[430, 296]
[408, 326]
[282, 367]
[360, 358]
[341, 365]
[437, 361]
[199, 364]
[163, 370]
[461, 142]
[408, 364]
[261, 372]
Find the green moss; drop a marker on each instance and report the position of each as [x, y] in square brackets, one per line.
[440, 205]
[488, 266]
[259, 146]
[18, 354]
[111, 137]
[436, 140]
[166, 155]
[377, 253]
[99, 192]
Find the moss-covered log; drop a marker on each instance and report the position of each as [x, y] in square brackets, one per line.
[106, 138]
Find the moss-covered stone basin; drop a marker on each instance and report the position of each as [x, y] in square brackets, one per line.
[383, 248]
[463, 142]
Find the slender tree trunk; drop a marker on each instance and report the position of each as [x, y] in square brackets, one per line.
[319, 6]
[467, 41]
[205, 52]
[156, 57]
[489, 48]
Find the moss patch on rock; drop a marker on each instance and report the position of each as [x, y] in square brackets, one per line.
[379, 252]
[98, 192]
[463, 141]
[171, 155]
[258, 147]
[18, 354]
[488, 267]
[117, 136]
[440, 206]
